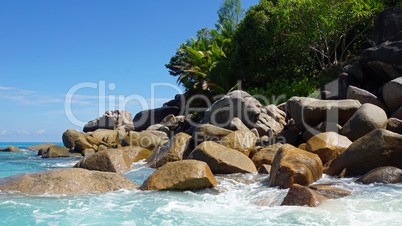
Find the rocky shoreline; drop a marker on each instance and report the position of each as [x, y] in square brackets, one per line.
[356, 133]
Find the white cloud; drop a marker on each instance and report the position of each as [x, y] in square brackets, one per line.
[40, 132]
[23, 132]
[4, 132]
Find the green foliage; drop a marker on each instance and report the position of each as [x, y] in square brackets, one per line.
[288, 47]
[203, 64]
[230, 11]
[295, 41]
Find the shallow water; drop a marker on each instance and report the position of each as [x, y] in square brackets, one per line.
[238, 199]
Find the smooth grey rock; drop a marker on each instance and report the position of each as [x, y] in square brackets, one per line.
[367, 118]
[109, 120]
[364, 96]
[392, 94]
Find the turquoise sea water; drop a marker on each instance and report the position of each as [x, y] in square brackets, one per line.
[237, 200]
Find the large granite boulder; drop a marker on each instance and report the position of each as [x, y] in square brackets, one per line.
[148, 139]
[387, 24]
[170, 152]
[110, 160]
[10, 149]
[378, 148]
[265, 155]
[110, 120]
[294, 166]
[181, 175]
[69, 137]
[383, 63]
[367, 118]
[56, 151]
[66, 181]
[143, 119]
[242, 105]
[221, 159]
[136, 153]
[309, 112]
[328, 145]
[241, 140]
[364, 96]
[392, 93]
[299, 195]
[385, 175]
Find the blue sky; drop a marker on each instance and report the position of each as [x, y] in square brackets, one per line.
[50, 48]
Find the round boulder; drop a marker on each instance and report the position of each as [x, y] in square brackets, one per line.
[180, 175]
[69, 137]
[221, 159]
[302, 196]
[367, 118]
[392, 94]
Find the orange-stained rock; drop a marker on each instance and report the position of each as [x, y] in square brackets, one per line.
[221, 159]
[136, 153]
[302, 196]
[378, 148]
[266, 155]
[169, 152]
[294, 166]
[331, 190]
[110, 160]
[327, 145]
[180, 175]
[241, 140]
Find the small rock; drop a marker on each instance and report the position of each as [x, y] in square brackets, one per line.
[264, 169]
[40, 146]
[10, 149]
[385, 175]
[302, 196]
[330, 190]
[237, 124]
[150, 140]
[394, 125]
[56, 151]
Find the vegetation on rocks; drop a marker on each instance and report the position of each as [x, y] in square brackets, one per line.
[280, 47]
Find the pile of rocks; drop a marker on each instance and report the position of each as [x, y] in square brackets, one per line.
[295, 142]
